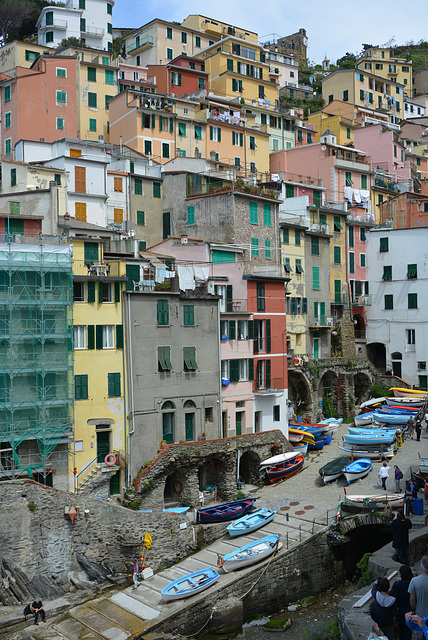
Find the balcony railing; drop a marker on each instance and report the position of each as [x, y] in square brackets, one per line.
[360, 334]
[94, 31]
[269, 384]
[385, 183]
[340, 298]
[137, 44]
[362, 301]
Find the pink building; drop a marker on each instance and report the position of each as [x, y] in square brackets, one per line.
[44, 95]
[385, 148]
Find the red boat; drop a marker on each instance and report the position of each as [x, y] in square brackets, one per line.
[281, 471]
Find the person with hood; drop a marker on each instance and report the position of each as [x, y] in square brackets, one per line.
[384, 607]
[400, 591]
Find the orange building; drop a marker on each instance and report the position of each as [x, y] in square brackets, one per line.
[181, 76]
[44, 94]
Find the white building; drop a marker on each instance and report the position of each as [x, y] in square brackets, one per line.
[88, 20]
[413, 108]
[397, 328]
[285, 66]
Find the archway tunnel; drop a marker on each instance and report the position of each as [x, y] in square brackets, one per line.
[362, 540]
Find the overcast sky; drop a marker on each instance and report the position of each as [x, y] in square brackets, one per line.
[333, 26]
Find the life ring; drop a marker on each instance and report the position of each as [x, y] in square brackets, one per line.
[296, 359]
[178, 487]
[110, 459]
[220, 561]
[216, 465]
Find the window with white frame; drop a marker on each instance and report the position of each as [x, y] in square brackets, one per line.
[107, 292]
[410, 339]
[80, 337]
[242, 329]
[243, 369]
[108, 336]
[224, 329]
[221, 291]
[261, 335]
[260, 373]
[225, 369]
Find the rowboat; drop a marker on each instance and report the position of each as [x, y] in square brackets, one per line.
[337, 421]
[389, 418]
[357, 469]
[281, 457]
[403, 393]
[224, 512]
[376, 453]
[190, 584]
[381, 500]
[333, 469]
[301, 448]
[316, 431]
[368, 438]
[249, 554]
[373, 429]
[318, 444]
[306, 436]
[294, 435]
[363, 418]
[405, 402]
[374, 402]
[282, 471]
[250, 522]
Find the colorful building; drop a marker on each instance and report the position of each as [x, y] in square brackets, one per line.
[179, 77]
[384, 63]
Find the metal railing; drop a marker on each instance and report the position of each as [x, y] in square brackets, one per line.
[136, 44]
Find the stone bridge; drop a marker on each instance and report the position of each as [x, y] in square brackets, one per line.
[341, 382]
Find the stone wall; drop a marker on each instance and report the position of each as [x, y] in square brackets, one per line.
[347, 337]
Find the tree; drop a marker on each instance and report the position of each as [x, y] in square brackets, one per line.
[347, 61]
[71, 42]
[12, 14]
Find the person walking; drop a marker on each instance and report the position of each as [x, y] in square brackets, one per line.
[400, 591]
[410, 425]
[397, 478]
[418, 590]
[384, 607]
[383, 474]
[136, 570]
[400, 536]
[418, 429]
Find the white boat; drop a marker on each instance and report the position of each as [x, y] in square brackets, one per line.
[378, 453]
[400, 392]
[282, 457]
[189, 584]
[357, 469]
[405, 402]
[249, 554]
[301, 449]
[372, 403]
[381, 500]
[363, 439]
[363, 418]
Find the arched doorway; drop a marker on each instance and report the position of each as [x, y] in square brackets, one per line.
[189, 420]
[327, 392]
[168, 421]
[359, 327]
[396, 358]
[249, 464]
[376, 353]
[299, 393]
[362, 384]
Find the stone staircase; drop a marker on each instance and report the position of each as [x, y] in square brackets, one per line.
[98, 476]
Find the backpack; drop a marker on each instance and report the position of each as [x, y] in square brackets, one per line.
[401, 474]
[27, 611]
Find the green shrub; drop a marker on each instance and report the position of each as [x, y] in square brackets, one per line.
[240, 495]
[32, 506]
[135, 504]
[379, 391]
[276, 624]
[366, 575]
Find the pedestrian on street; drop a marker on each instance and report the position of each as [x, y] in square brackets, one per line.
[400, 536]
[383, 474]
[397, 477]
[418, 429]
[136, 570]
[426, 420]
[400, 591]
[410, 425]
[418, 589]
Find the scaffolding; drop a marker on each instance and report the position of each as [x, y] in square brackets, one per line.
[36, 353]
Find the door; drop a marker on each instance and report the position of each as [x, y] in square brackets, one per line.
[257, 421]
[224, 423]
[238, 422]
[189, 419]
[396, 369]
[168, 427]
[115, 484]
[103, 445]
[166, 225]
[316, 348]
[14, 227]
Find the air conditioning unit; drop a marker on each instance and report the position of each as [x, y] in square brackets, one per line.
[329, 322]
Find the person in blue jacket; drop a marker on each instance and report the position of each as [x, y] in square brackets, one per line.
[416, 623]
[384, 607]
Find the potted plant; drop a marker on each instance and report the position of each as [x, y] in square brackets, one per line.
[202, 436]
[163, 444]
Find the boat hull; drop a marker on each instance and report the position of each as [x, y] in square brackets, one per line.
[334, 469]
[374, 454]
[281, 457]
[224, 512]
[285, 471]
[382, 501]
[363, 418]
[250, 554]
[302, 449]
[403, 393]
[359, 439]
[189, 585]
[250, 522]
[357, 469]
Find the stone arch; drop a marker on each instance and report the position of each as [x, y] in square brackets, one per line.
[376, 353]
[174, 487]
[249, 464]
[299, 392]
[362, 384]
[328, 386]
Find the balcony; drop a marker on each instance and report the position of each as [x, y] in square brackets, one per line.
[95, 32]
[340, 299]
[56, 24]
[320, 323]
[267, 387]
[383, 182]
[362, 301]
[139, 44]
[360, 334]
[235, 306]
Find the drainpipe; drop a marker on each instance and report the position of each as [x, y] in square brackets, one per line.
[125, 377]
[131, 375]
[220, 420]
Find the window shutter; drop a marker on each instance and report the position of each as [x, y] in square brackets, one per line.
[211, 133]
[171, 124]
[234, 370]
[100, 292]
[119, 336]
[241, 139]
[160, 123]
[117, 291]
[293, 305]
[304, 305]
[91, 336]
[232, 330]
[234, 84]
[250, 329]
[153, 122]
[229, 297]
[267, 369]
[218, 134]
[268, 341]
[91, 291]
[233, 137]
[99, 336]
[250, 369]
[256, 337]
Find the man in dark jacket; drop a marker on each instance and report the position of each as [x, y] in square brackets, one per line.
[400, 537]
[384, 607]
[38, 610]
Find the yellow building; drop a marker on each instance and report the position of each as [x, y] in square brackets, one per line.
[382, 62]
[18, 54]
[339, 117]
[364, 89]
[293, 259]
[99, 361]
[238, 70]
[218, 29]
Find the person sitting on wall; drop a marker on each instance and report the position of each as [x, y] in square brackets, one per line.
[37, 609]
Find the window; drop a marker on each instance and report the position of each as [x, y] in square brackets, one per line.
[255, 247]
[90, 252]
[379, 198]
[79, 291]
[237, 139]
[92, 124]
[92, 100]
[176, 78]
[80, 179]
[49, 36]
[422, 365]
[253, 213]
[362, 259]
[113, 385]
[198, 41]
[237, 85]
[141, 218]
[82, 24]
[138, 186]
[156, 189]
[351, 236]
[13, 177]
[184, 37]
[297, 237]
[60, 124]
[79, 337]
[287, 265]
[162, 312]
[201, 83]
[148, 147]
[267, 215]
[118, 185]
[109, 27]
[109, 9]
[299, 268]
[61, 97]
[191, 215]
[289, 191]
[315, 278]
[348, 133]
[169, 54]
[286, 236]
[109, 76]
[188, 315]
[331, 97]
[209, 414]
[252, 142]
[215, 134]
[411, 336]
[389, 302]
[387, 272]
[57, 178]
[80, 211]
[412, 271]
[169, 33]
[351, 262]
[345, 95]
[105, 336]
[315, 246]
[165, 150]
[198, 132]
[14, 208]
[412, 300]
[189, 359]
[362, 234]
[164, 359]
[363, 181]
[383, 245]
[7, 93]
[106, 292]
[81, 387]
[336, 254]
[337, 224]
[267, 250]
[261, 301]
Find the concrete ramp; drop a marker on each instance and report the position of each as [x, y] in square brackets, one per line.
[143, 611]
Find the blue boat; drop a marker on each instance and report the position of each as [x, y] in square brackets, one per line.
[224, 512]
[368, 438]
[190, 584]
[370, 430]
[301, 448]
[357, 469]
[319, 444]
[249, 554]
[390, 418]
[250, 522]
